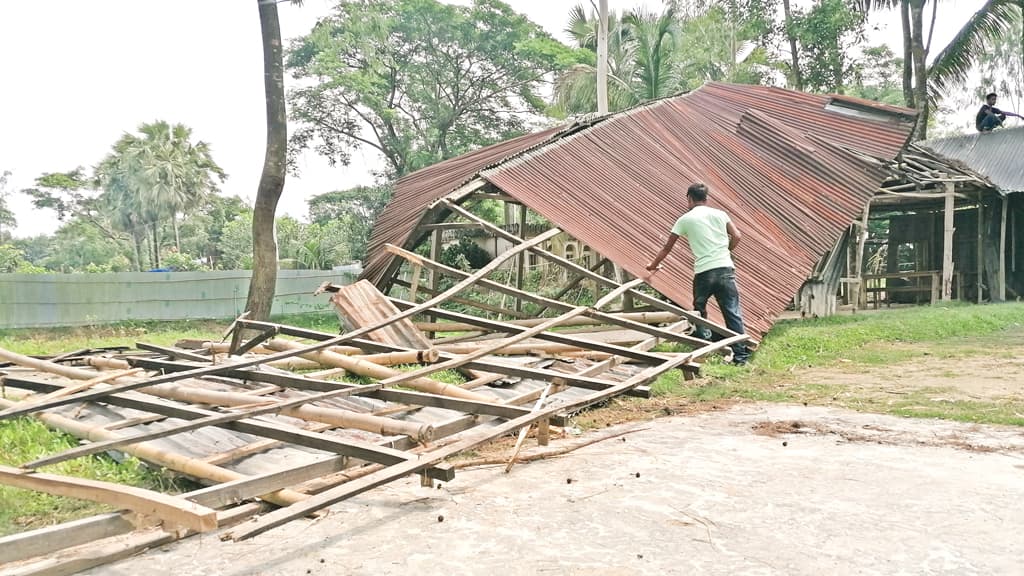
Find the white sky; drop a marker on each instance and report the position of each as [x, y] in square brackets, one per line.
[77, 75]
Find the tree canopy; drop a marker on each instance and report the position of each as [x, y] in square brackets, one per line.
[418, 80]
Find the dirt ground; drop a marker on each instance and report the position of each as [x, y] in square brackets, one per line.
[988, 368]
[754, 489]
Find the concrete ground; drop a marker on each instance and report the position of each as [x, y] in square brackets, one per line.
[757, 489]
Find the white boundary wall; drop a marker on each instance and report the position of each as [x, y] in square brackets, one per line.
[48, 300]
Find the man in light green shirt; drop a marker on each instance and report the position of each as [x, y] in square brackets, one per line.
[711, 236]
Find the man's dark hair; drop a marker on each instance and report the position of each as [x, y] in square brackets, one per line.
[698, 191]
[991, 95]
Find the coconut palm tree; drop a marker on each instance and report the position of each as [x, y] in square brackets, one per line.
[640, 60]
[925, 84]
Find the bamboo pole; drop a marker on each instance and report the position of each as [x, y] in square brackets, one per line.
[150, 453]
[366, 368]
[641, 317]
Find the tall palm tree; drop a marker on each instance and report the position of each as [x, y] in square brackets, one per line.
[925, 84]
[153, 176]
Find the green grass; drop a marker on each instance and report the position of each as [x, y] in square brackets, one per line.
[864, 341]
[25, 439]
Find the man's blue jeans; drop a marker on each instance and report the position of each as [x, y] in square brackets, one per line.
[990, 123]
[720, 283]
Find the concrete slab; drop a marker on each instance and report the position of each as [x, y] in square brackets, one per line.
[716, 493]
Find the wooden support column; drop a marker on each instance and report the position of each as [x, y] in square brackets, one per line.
[947, 244]
[1001, 281]
[981, 247]
[521, 259]
[859, 293]
[434, 278]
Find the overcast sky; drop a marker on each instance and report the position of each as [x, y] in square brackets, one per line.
[77, 74]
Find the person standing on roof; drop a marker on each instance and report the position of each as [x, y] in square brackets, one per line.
[711, 236]
[989, 117]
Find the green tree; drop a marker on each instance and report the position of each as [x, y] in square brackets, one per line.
[877, 76]
[236, 243]
[148, 178]
[418, 80]
[356, 209]
[7, 219]
[826, 35]
[1002, 67]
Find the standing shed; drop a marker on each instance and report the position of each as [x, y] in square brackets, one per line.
[792, 169]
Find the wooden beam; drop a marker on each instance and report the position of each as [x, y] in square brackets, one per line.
[173, 511]
[521, 258]
[616, 319]
[689, 315]
[450, 226]
[466, 302]
[1001, 288]
[981, 246]
[50, 539]
[173, 352]
[211, 370]
[324, 499]
[642, 317]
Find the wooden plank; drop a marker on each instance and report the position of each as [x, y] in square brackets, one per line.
[981, 246]
[171, 510]
[211, 370]
[50, 539]
[466, 302]
[173, 352]
[358, 486]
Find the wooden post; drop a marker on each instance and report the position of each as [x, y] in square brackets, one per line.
[947, 244]
[981, 247]
[1001, 288]
[434, 278]
[521, 259]
[859, 293]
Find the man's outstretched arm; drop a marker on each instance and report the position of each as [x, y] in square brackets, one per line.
[734, 236]
[669, 244]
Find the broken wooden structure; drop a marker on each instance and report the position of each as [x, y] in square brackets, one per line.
[294, 420]
[934, 231]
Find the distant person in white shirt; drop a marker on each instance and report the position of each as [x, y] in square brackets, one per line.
[711, 236]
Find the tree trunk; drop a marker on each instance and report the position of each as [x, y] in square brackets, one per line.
[798, 77]
[264, 241]
[137, 240]
[156, 246]
[908, 55]
[602, 57]
[920, 68]
[177, 235]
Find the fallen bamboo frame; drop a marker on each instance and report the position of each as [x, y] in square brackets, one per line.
[182, 464]
[211, 370]
[324, 499]
[360, 450]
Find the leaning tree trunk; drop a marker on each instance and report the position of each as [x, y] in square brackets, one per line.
[798, 77]
[908, 55]
[920, 68]
[264, 243]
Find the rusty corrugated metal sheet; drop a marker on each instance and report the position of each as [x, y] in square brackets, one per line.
[776, 160]
[996, 155]
[413, 193]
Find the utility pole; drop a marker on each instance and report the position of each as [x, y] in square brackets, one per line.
[602, 57]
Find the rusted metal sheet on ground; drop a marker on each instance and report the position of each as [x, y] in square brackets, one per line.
[361, 304]
[778, 161]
